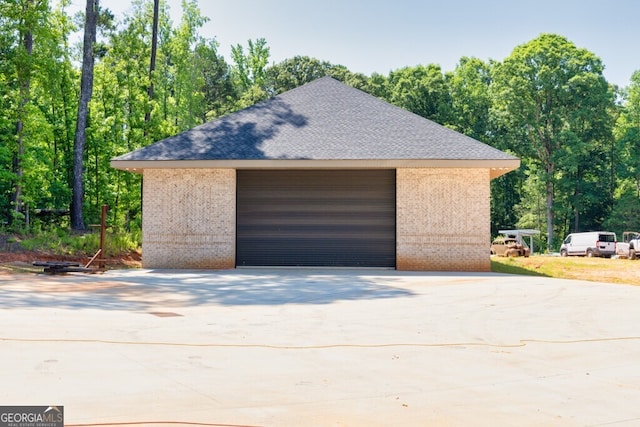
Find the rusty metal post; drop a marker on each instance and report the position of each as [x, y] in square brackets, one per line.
[103, 227]
[99, 256]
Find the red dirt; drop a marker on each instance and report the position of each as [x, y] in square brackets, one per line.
[12, 254]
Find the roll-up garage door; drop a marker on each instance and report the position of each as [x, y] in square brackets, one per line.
[339, 218]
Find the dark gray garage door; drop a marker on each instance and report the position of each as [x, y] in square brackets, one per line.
[342, 218]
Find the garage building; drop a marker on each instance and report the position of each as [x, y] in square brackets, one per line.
[322, 175]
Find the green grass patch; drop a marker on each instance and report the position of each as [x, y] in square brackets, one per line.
[511, 266]
[64, 242]
[579, 268]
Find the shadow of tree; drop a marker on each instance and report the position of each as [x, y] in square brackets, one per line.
[237, 136]
[505, 268]
[141, 290]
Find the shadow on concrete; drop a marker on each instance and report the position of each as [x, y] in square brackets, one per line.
[143, 289]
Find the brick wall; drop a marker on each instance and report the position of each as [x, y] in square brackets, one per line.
[443, 219]
[189, 218]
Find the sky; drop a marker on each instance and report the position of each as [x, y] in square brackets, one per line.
[379, 36]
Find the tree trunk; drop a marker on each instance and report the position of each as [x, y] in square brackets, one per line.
[550, 218]
[86, 89]
[24, 81]
[152, 63]
[576, 203]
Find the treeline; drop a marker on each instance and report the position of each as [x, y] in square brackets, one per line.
[548, 103]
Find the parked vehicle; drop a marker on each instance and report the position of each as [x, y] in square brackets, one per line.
[629, 246]
[508, 246]
[590, 244]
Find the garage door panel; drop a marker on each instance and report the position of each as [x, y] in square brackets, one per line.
[319, 233]
[316, 218]
[321, 253]
[329, 219]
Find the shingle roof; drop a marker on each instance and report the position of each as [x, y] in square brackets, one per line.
[322, 120]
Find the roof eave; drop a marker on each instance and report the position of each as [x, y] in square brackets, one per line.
[497, 167]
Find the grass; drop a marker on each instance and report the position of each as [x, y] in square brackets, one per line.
[18, 251]
[63, 242]
[592, 269]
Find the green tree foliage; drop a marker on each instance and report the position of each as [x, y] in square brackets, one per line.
[625, 215]
[219, 93]
[249, 72]
[548, 103]
[299, 70]
[118, 118]
[125, 118]
[55, 92]
[294, 72]
[31, 34]
[188, 78]
[626, 211]
[555, 102]
[627, 132]
[422, 90]
[470, 99]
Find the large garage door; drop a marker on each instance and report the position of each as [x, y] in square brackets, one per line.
[316, 218]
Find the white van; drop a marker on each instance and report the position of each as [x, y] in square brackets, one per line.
[594, 243]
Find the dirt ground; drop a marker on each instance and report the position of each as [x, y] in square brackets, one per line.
[15, 259]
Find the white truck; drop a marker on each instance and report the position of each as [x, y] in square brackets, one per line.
[630, 245]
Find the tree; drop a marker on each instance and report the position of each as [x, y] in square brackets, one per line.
[294, 72]
[86, 89]
[217, 84]
[421, 90]
[49, 154]
[470, 98]
[626, 211]
[188, 78]
[118, 113]
[123, 116]
[154, 54]
[41, 131]
[299, 70]
[250, 71]
[627, 131]
[555, 102]
[24, 66]
[6, 123]
[250, 67]
[24, 30]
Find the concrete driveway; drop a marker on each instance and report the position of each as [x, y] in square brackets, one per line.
[321, 348]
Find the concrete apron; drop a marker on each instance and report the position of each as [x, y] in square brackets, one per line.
[321, 348]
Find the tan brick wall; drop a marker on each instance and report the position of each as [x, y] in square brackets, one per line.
[189, 218]
[443, 219]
